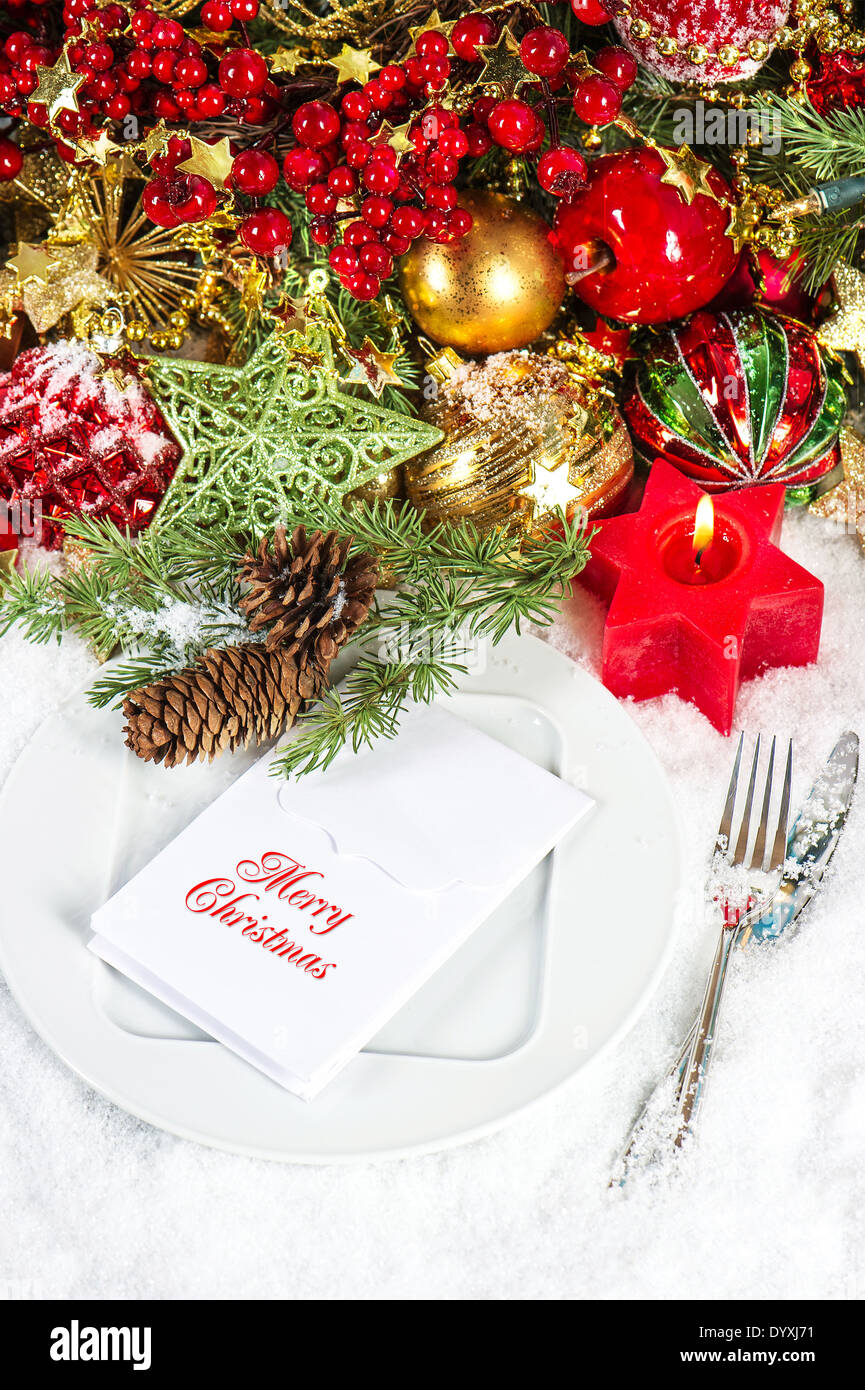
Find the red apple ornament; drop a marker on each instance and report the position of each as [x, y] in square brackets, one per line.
[660, 257]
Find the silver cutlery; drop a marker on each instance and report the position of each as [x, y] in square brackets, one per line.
[811, 844]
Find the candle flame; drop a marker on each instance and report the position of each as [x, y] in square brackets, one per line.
[704, 526]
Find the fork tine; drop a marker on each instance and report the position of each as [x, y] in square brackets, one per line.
[745, 828]
[759, 852]
[779, 848]
[725, 829]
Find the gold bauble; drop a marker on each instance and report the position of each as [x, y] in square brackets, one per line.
[386, 486]
[494, 289]
[524, 439]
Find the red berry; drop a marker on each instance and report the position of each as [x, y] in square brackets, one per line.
[209, 101]
[315, 124]
[190, 72]
[11, 160]
[513, 125]
[431, 45]
[618, 65]
[376, 210]
[363, 285]
[544, 51]
[376, 259]
[408, 222]
[320, 200]
[167, 33]
[254, 172]
[217, 15]
[562, 171]
[302, 167]
[342, 181]
[442, 168]
[380, 176]
[396, 243]
[193, 198]
[461, 222]
[343, 260]
[265, 232]
[479, 140]
[322, 230]
[453, 142]
[244, 10]
[591, 11]
[155, 202]
[597, 100]
[358, 234]
[242, 73]
[355, 106]
[470, 32]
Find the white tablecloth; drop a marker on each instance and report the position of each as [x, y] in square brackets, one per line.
[767, 1202]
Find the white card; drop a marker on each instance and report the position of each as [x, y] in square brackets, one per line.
[291, 920]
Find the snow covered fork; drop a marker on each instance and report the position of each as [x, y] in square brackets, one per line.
[738, 911]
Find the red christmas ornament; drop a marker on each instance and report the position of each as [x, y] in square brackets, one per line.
[669, 257]
[837, 82]
[711, 24]
[76, 445]
[699, 614]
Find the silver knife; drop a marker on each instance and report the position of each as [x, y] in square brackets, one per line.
[810, 845]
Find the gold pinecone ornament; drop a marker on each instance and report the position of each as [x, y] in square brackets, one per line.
[308, 598]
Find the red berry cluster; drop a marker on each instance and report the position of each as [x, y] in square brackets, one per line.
[139, 62]
[346, 154]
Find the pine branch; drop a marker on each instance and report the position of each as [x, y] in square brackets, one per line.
[828, 147]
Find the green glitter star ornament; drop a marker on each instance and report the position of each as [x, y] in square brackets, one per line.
[257, 438]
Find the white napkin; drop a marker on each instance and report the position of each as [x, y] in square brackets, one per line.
[291, 920]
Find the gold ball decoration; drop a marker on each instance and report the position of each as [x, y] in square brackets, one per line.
[496, 288]
[525, 437]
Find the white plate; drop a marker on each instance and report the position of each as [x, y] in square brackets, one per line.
[558, 973]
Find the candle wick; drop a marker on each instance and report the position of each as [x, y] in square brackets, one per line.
[698, 558]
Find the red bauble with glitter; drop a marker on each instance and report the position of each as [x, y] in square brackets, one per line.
[74, 443]
[669, 257]
[837, 82]
[712, 24]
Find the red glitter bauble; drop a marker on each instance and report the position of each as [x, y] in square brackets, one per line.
[837, 82]
[714, 24]
[671, 257]
[74, 443]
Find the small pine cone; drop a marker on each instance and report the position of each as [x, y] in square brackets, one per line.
[229, 697]
[308, 595]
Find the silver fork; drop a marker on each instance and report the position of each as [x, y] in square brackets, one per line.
[687, 1077]
[736, 915]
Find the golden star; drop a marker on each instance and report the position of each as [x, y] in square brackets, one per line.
[57, 87]
[155, 140]
[503, 66]
[288, 60]
[686, 173]
[396, 136]
[31, 263]
[374, 368]
[845, 330]
[744, 217]
[116, 378]
[292, 314]
[211, 162]
[99, 149]
[353, 64]
[433, 24]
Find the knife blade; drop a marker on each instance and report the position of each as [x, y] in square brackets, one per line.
[812, 840]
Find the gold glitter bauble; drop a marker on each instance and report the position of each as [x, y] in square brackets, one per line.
[525, 438]
[496, 288]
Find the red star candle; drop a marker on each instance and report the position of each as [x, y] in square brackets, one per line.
[700, 596]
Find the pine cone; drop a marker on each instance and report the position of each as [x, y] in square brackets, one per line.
[230, 696]
[308, 595]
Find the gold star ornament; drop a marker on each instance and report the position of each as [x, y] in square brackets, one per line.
[373, 368]
[57, 87]
[98, 150]
[503, 67]
[211, 162]
[31, 263]
[353, 64]
[685, 172]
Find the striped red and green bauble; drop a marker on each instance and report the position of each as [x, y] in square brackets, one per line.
[739, 399]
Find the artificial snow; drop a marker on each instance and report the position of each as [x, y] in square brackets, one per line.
[767, 1202]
